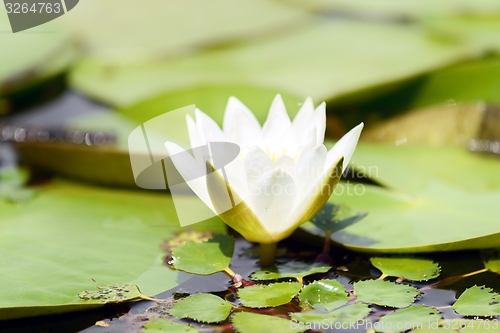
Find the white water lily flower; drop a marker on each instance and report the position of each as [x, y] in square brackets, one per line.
[285, 174]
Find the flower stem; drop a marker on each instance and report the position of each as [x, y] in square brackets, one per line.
[267, 254]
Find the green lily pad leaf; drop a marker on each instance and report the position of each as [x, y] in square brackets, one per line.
[385, 293]
[115, 293]
[491, 259]
[334, 75]
[347, 314]
[413, 317]
[332, 218]
[247, 322]
[264, 296]
[437, 198]
[404, 9]
[327, 294]
[450, 84]
[161, 325]
[71, 234]
[412, 269]
[205, 308]
[291, 269]
[478, 301]
[451, 125]
[221, 22]
[204, 258]
[12, 181]
[32, 59]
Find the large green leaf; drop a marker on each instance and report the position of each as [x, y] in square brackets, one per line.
[167, 27]
[30, 58]
[471, 81]
[408, 8]
[435, 199]
[350, 61]
[57, 244]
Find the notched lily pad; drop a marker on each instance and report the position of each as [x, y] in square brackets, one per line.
[327, 294]
[478, 301]
[385, 293]
[291, 269]
[347, 314]
[115, 293]
[410, 318]
[159, 325]
[205, 308]
[247, 322]
[491, 260]
[409, 268]
[263, 296]
[204, 258]
[334, 217]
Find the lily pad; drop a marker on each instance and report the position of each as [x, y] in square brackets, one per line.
[347, 314]
[332, 218]
[478, 301]
[172, 28]
[247, 322]
[160, 325]
[71, 235]
[32, 58]
[12, 182]
[334, 74]
[204, 258]
[491, 259]
[205, 308]
[417, 316]
[115, 293]
[327, 294]
[291, 269]
[263, 296]
[454, 84]
[413, 269]
[385, 293]
[430, 198]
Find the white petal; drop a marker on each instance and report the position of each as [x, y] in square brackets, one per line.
[272, 198]
[192, 171]
[256, 164]
[305, 113]
[241, 126]
[319, 120]
[285, 163]
[194, 137]
[310, 168]
[277, 121]
[344, 147]
[208, 130]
